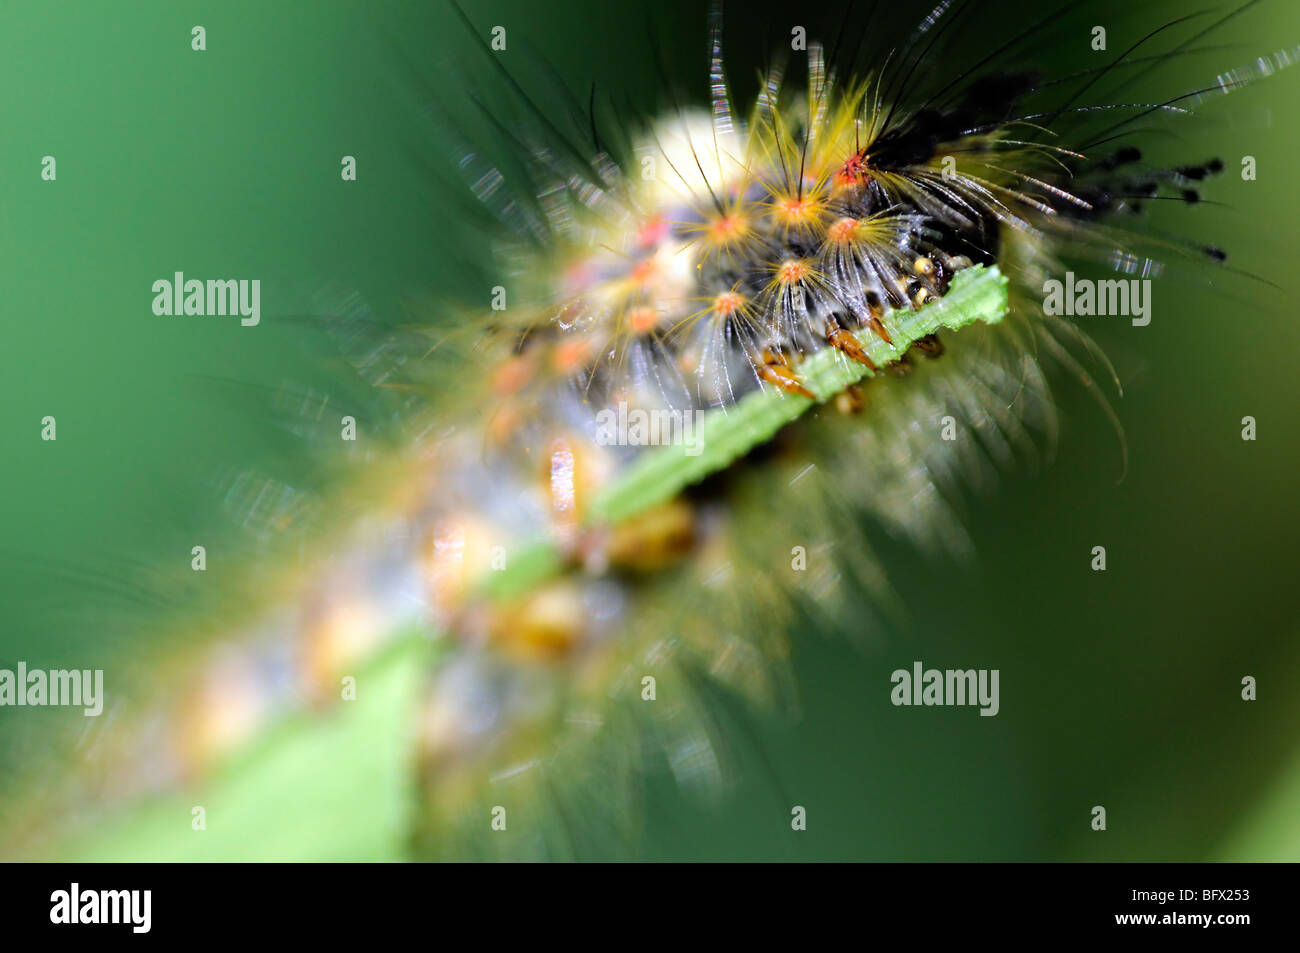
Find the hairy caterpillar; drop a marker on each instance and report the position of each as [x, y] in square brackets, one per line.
[808, 230]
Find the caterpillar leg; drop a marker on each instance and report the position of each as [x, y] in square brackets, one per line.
[851, 400]
[930, 345]
[877, 310]
[774, 368]
[844, 342]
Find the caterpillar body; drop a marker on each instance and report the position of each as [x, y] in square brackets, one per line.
[831, 297]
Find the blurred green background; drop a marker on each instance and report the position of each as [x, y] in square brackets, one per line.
[1119, 688]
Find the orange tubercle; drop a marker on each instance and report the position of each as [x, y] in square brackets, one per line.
[843, 232]
[642, 320]
[792, 271]
[792, 211]
[853, 172]
[571, 355]
[728, 303]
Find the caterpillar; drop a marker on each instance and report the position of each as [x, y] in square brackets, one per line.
[720, 348]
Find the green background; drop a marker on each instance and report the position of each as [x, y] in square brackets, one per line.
[1119, 689]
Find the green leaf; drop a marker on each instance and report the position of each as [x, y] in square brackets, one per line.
[317, 787]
